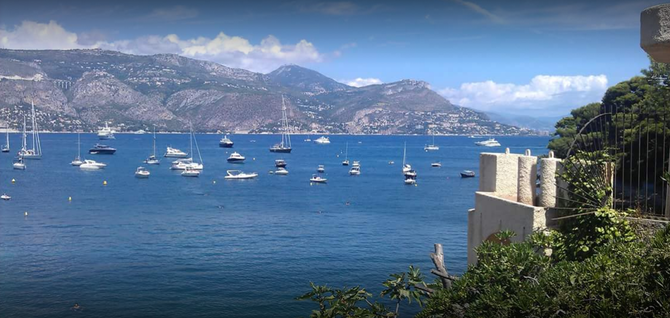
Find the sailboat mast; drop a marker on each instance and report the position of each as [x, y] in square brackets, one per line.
[154, 141]
[24, 142]
[346, 152]
[78, 145]
[286, 138]
[32, 112]
[404, 154]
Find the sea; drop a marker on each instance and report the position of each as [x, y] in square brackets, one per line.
[171, 246]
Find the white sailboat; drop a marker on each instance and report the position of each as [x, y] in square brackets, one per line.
[190, 165]
[285, 145]
[431, 147]
[77, 160]
[346, 156]
[153, 160]
[35, 152]
[405, 166]
[5, 148]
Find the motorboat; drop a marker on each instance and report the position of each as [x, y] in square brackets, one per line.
[19, 164]
[174, 153]
[491, 142]
[410, 181]
[225, 142]
[183, 165]
[281, 171]
[436, 164]
[142, 173]
[190, 172]
[355, 171]
[323, 140]
[77, 160]
[284, 146]
[99, 149]
[356, 164]
[321, 169]
[5, 197]
[182, 160]
[152, 160]
[92, 165]
[105, 133]
[236, 158]
[317, 179]
[280, 163]
[467, 174]
[238, 175]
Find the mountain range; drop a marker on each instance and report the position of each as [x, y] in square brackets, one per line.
[81, 89]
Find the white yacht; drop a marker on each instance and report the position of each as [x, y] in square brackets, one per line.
[238, 175]
[189, 163]
[281, 171]
[92, 165]
[236, 158]
[35, 152]
[321, 169]
[142, 173]
[225, 142]
[410, 181]
[323, 140]
[190, 172]
[105, 133]
[317, 179]
[491, 142]
[77, 160]
[436, 164]
[19, 164]
[355, 171]
[5, 197]
[346, 156]
[174, 153]
[153, 160]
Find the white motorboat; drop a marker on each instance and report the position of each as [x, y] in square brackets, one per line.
[491, 142]
[281, 171]
[436, 164]
[189, 172]
[152, 160]
[236, 158]
[431, 147]
[142, 173]
[77, 160]
[105, 133]
[410, 173]
[284, 146]
[238, 175]
[355, 171]
[5, 197]
[92, 165]
[356, 164]
[346, 156]
[187, 165]
[182, 160]
[323, 140]
[19, 164]
[174, 153]
[35, 152]
[321, 169]
[410, 181]
[317, 179]
[280, 163]
[225, 142]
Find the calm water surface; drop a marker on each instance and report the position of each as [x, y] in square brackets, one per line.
[171, 246]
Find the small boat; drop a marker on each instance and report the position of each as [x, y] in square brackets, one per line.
[225, 142]
[19, 164]
[491, 142]
[5, 197]
[346, 156]
[323, 140]
[467, 174]
[142, 173]
[190, 172]
[174, 153]
[317, 179]
[105, 133]
[309, 138]
[92, 165]
[355, 171]
[391, 162]
[321, 169]
[152, 160]
[281, 171]
[186, 164]
[436, 164]
[99, 149]
[5, 147]
[356, 164]
[77, 160]
[410, 181]
[284, 146]
[431, 147]
[410, 173]
[280, 163]
[238, 175]
[236, 158]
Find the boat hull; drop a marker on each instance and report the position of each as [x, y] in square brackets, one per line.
[225, 145]
[280, 150]
[467, 175]
[102, 151]
[235, 160]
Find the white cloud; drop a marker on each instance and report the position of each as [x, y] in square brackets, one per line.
[544, 94]
[360, 82]
[232, 51]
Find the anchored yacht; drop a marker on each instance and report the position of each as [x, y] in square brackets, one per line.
[236, 157]
[488, 143]
[105, 133]
[323, 140]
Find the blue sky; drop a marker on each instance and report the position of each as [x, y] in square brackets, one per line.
[524, 57]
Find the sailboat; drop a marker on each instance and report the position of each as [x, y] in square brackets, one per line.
[77, 160]
[190, 164]
[407, 171]
[346, 156]
[431, 147]
[285, 145]
[152, 160]
[5, 148]
[35, 152]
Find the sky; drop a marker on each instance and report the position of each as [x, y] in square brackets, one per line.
[535, 57]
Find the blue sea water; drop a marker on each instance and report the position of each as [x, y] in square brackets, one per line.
[170, 246]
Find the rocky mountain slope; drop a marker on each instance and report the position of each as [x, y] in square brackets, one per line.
[79, 89]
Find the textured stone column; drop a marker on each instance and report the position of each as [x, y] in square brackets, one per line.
[655, 32]
[498, 173]
[548, 183]
[527, 176]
